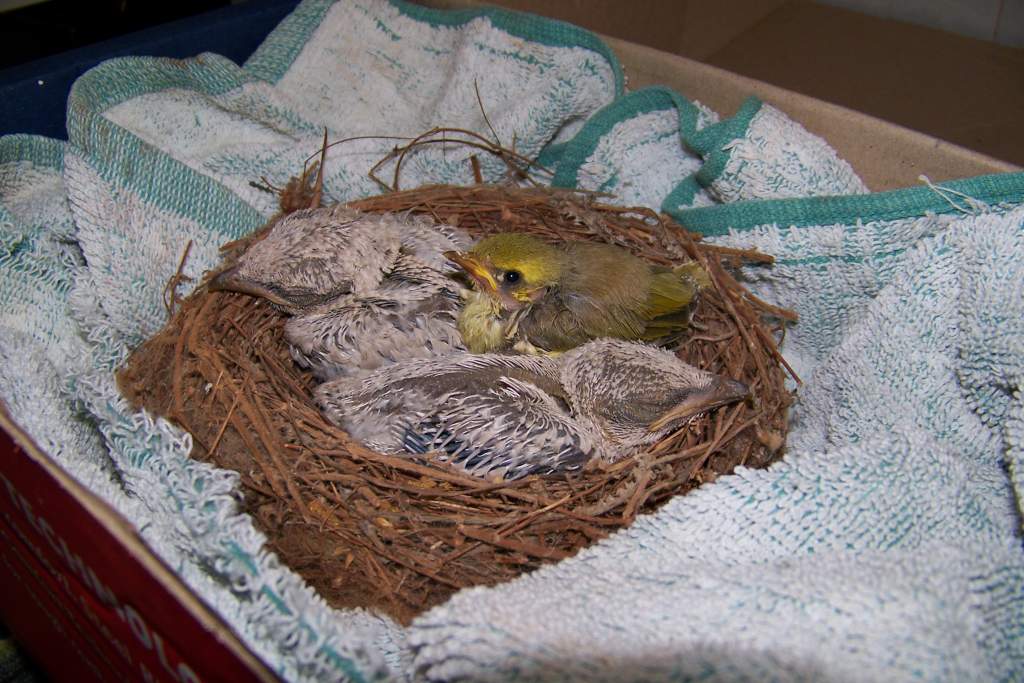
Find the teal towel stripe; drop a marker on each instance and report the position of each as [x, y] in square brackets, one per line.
[583, 145]
[851, 209]
[710, 140]
[40, 151]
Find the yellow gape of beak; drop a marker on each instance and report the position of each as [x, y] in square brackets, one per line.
[475, 269]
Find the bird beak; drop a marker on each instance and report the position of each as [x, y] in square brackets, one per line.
[475, 269]
[720, 392]
[231, 281]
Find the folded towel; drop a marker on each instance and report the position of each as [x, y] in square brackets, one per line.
[39, 343]
[636, 150]
[760, 153]
[402, 70]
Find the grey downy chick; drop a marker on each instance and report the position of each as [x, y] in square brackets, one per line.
[508, 416]
[314, 256]
[362, 289]
[634, 394]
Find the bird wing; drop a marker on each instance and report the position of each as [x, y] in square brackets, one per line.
[668, 307]
[510, 431]
[488, 414]
[552, 325]
[630, 300]
[602, 293]
[612, 293]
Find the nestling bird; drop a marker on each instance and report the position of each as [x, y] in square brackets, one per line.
[507, 416]
[314, 256]
[361, 289]
[554, 298]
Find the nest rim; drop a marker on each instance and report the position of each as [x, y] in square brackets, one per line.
[402, 533]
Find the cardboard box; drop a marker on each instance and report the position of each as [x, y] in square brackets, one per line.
[86, 597]
[93, 603]
[689, 28]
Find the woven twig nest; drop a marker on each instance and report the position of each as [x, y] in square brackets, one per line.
[402, 533]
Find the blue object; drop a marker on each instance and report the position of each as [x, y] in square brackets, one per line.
[33, 96]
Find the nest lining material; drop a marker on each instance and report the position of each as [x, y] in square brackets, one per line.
[400, 534]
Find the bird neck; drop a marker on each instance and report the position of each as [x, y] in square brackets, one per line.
[481, 325]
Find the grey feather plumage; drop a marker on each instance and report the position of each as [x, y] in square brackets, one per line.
[312, 256]
[362, 289]
[488, 414]
[624, 388]
[363, 333]
[508, 416]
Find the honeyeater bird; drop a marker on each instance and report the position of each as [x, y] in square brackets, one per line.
[506, 416]
[361, 289]
[534, 295]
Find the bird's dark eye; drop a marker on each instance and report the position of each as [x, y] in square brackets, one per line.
[513, 276]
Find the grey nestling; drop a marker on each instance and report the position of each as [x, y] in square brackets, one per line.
[508, 416]
[361, 289]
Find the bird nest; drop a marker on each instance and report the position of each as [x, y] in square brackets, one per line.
[401, 533]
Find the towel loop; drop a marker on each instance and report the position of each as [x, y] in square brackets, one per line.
[973, 206]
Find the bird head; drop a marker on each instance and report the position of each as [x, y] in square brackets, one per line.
[708, 392]
[636, 393]
[515, 269]
[288, 296]
[313, 257]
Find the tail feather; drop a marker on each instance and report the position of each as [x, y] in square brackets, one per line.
[670, 302]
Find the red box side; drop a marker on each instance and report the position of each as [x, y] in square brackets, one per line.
[91, 602]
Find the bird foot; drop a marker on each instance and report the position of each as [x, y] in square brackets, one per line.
[526, 348]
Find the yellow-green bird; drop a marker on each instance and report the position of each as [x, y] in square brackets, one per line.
[537, 296]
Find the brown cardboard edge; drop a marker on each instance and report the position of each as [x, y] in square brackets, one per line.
[122, 530]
